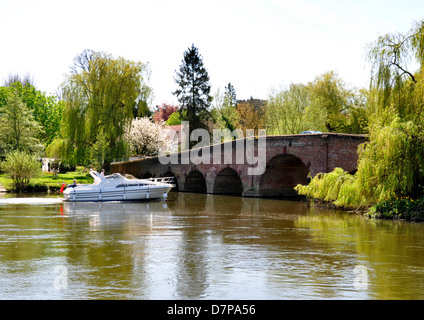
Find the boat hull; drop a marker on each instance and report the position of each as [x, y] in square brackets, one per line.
[81, 195]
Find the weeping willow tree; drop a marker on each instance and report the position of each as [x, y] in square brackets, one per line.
[392, 162]
[99, 99]
[395, 83]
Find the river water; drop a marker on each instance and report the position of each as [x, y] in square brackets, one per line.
[197, 246]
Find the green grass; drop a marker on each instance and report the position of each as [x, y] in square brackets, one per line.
[50, 181]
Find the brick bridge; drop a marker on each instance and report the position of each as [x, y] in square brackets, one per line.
[290, 160]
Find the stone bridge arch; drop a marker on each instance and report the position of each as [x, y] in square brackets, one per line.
[195, 182]
[283, 172]
[228, 181]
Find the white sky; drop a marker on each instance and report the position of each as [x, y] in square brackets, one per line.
[255, 45]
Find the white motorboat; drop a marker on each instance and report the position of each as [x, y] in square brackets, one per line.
[116, 187]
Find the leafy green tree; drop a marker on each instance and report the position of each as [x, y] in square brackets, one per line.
[226, 118]
[46, 109]
[292, 110]
[18, 129]
[55, 149]
[358, 114]
[223, 112]
[21, 167]
[142, 106]
[193, 89]
[326, 104]
[142, 109]
[174, 119]
[331, 94]
[99, 98]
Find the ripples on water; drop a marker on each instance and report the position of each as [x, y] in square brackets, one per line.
[196, 246]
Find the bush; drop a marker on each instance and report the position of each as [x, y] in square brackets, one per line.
[338, 187]
[63, 168]
[399, 208]
[21, 168]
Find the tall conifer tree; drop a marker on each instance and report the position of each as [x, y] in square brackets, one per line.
[193, 89]
[230, 97]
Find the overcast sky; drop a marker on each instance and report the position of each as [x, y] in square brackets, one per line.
[255, 45]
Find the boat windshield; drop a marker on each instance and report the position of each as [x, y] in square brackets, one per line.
[114, 176]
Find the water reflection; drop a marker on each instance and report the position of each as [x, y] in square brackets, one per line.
[390, 251]
[204, 247]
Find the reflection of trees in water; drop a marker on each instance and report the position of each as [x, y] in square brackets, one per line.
[25, 234]
[211, 225]
[390, 251]
[192, 263]
[188, 215]
[111, 240]
[195, 245]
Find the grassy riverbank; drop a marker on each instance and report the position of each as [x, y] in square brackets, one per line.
[49, 181]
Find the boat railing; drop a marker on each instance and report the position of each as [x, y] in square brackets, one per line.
[163, 179]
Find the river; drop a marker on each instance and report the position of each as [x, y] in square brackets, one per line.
[197, 246]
